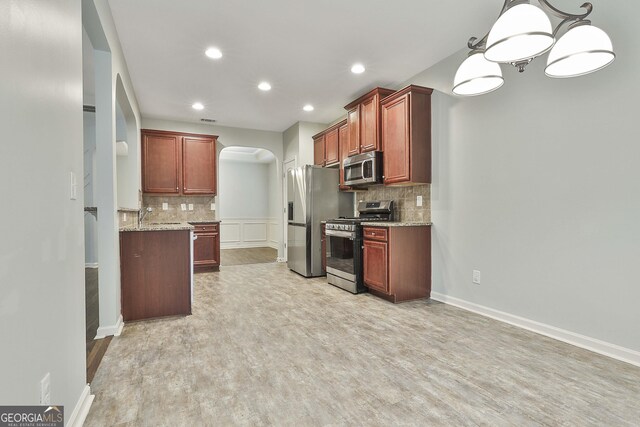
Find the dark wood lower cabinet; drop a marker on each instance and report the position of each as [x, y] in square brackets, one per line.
[375, 260]
[206, 246]
[397, 262]
[155, 273]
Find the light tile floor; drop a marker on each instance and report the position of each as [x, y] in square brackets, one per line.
[265, 346]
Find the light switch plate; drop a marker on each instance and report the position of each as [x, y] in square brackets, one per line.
[165, 206]
[213, 206]
[73, 190]
[183, 206]
[190, 206]
[476, 277]
[45, 390]
[124, 216]
[419, 201]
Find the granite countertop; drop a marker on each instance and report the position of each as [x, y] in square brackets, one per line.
[159, 226]
[396, 224]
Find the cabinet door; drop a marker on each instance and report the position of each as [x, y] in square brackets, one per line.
[160, 163]
[332, 156]
[369, 135]
[395, 131]
[198, 165]
[343, 142]
[353, 131]
[319, 151]
[375, 263]
[206, 252]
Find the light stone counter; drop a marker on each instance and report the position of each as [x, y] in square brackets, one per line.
[159, 226]
[396, 224]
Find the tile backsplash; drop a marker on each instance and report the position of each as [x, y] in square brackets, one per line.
[128, 217]
[404, 201]
[201, 208]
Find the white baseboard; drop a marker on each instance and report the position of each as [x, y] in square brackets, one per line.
[81, 410]
[597, 346]
[245, 245]
[279, 259]
[90, 265]
[115, 330]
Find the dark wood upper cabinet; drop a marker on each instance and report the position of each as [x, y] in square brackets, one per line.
[343, 143]
[160, 163]
[198, 165]
[353, 131]
[178, 163]
[406, 136]
[319, 151]
[331, 143]
[363, 121]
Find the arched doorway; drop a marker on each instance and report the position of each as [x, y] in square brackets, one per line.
[249, 192]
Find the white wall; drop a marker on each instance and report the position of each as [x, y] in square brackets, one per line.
[243, 189]
[537, 185]
[274, 190]
[42, 248]
[112, 81]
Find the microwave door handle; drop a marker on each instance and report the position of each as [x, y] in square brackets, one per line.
[364, 168]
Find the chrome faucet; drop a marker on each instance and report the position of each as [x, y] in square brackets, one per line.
[143, 213]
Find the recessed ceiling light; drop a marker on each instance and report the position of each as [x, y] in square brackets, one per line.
[264, 86]
[197, 106]
[213, 52]
[308, 107]
[357, 69]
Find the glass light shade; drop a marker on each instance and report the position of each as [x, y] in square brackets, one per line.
[582, 50]
[477, 76]
[522, 32]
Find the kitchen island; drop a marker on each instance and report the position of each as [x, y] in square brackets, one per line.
[156, 270]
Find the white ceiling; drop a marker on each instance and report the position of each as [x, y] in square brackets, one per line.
[304, 48]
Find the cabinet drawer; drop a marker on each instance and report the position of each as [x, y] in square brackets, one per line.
[205, 228]
[376, 233]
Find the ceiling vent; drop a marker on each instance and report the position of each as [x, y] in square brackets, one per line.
[208, 120]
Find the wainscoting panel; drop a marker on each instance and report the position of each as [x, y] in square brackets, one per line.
[248, 233]
[273, 233]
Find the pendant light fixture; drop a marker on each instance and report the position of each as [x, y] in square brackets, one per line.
[523, 32]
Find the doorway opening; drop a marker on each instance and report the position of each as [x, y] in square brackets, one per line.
[249, 206]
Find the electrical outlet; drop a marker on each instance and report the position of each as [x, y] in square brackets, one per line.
[213, 206]
[183, 206]
[476, 277]
[45, 390]
[165, 206]
[124, 216]
[419, 201]
[190, 206]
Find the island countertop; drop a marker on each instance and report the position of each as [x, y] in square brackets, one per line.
[159, 226]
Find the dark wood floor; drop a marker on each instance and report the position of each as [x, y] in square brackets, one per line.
[246, 256]
[95, 348]
[91, 302]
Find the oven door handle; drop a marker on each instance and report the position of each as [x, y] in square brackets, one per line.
[339, 233]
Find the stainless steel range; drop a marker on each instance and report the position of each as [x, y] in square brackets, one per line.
[344, 244]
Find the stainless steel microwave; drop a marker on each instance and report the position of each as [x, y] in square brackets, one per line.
[363, 169]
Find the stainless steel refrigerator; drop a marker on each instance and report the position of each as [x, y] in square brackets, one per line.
[312, 197]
